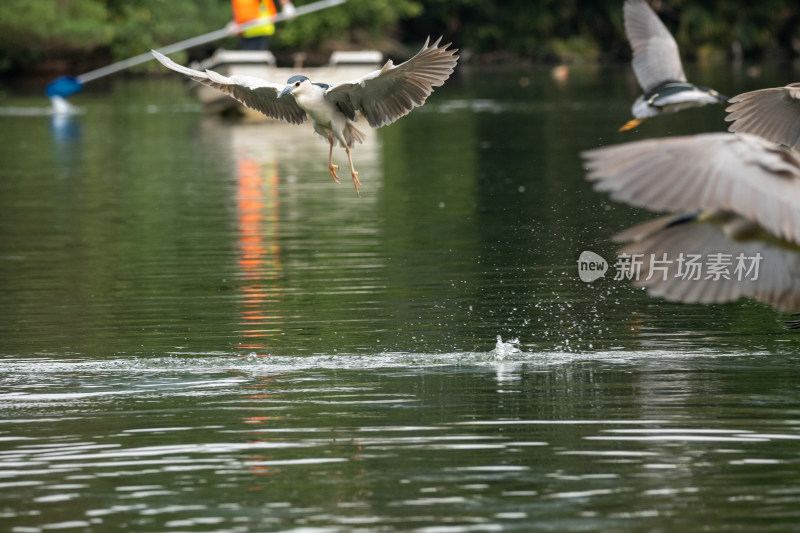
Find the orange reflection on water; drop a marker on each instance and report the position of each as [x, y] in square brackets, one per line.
[259, 252]
[260, 419]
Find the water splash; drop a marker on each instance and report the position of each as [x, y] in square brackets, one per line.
[504, 349]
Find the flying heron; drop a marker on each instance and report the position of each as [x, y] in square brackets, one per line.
[658, 68]
[382, 96]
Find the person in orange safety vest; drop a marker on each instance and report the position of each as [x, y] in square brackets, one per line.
[247, 10]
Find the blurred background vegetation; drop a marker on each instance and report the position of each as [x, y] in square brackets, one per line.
[77, 35]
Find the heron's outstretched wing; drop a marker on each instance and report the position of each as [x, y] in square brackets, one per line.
[255, 93]
[387, 94]
[770, 272]
[770, 113]
[741, 173]
[656, 58]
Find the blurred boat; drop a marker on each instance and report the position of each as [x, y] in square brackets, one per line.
[343, 66]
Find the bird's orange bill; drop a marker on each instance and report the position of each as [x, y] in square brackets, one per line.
[631, 124]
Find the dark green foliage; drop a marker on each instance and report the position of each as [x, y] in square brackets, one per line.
[31, 33]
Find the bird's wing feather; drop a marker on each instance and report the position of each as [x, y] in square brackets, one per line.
[776, 282]
[770, 113]
[655, 53]
[254, 93]
[740, 173]
[391, 92]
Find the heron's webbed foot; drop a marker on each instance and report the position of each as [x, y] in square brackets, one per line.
[331, 166]
[353, 172]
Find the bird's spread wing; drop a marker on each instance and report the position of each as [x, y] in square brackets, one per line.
[774, 279]
[387, 94]
[255, 93]
[740, 173]
[655, 53]
[770, 113]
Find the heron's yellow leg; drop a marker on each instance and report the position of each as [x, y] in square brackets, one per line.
[352, 169]
[331, 166]
[631, 124]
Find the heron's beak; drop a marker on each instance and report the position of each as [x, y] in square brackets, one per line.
[286, 90]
